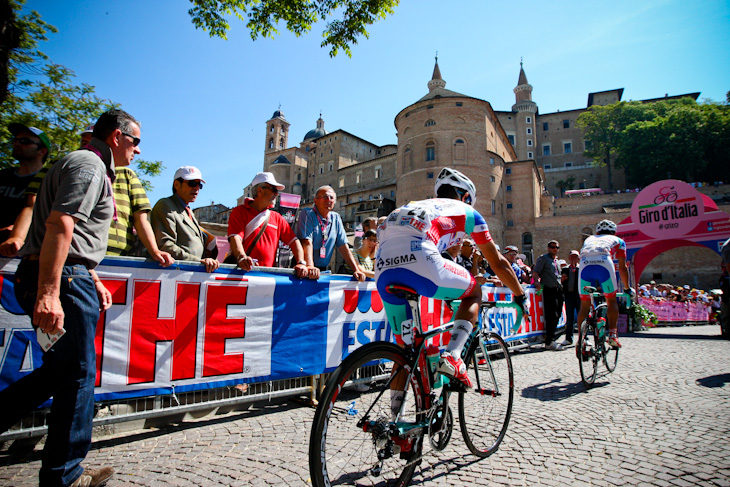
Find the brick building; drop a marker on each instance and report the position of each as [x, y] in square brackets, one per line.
[515, 158]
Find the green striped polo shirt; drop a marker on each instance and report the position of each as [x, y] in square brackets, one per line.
[130, 197]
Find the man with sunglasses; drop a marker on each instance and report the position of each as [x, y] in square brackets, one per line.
[176, 229]
[254, 231]
[56, 285]
[547, 275]
[30, 148]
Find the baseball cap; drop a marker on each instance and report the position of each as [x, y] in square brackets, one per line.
[188, 173]
[510, 247]
[574, 252]
[266, 177]
[16, 128]
[88, 130]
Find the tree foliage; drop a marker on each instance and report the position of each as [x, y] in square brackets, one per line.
[263, 16]
[43, 94]
[678, 139]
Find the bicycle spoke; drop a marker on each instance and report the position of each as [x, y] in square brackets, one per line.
[485, 410]
[353, 439]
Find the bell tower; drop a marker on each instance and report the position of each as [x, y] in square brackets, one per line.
[277, 132]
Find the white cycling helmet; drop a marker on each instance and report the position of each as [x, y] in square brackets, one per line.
[606, 226]
[454, 178]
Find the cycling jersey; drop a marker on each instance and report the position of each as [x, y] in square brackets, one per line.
[411, 241]
[596, 264]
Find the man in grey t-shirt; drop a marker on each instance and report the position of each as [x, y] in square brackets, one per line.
[56, 285]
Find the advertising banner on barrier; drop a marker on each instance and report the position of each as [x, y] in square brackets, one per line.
[675, 311]
[180, 329]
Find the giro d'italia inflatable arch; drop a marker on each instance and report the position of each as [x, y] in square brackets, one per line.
[670, 214]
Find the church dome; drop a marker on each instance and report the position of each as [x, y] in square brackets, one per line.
[278, 114]
[314, 134]
[317, 132]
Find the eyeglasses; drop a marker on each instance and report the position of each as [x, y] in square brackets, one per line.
[135, 140]
[26, 141]
[373, 240]
[553, 246]
[466, 244]
[194, 183]
[272, 189]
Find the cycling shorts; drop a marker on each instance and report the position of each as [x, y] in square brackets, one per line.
[417, 264]
[597, 270]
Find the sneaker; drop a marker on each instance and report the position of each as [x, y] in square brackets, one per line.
[93, 477]
[454, 368]
[567, 343]
[482, 361]
[553, 346]
[614, 343]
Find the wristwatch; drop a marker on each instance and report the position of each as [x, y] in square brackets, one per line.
[303, 262]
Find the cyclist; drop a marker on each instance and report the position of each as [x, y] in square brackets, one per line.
[411, 241]
[597, 270]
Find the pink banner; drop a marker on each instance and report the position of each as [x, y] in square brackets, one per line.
[675, 311]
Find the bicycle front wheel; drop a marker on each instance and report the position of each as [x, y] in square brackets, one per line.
[353, 432]
[485, 411]
[587, 353]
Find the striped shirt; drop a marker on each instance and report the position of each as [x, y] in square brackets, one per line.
[130, 197]
[35, 183]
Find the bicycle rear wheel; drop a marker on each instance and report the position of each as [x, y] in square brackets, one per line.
[352, 438]
[485, 411]
[587, 353]
[610, 357]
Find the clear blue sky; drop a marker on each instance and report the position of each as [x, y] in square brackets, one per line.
[205, 101]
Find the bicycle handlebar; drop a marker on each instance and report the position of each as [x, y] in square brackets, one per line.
[509, 304]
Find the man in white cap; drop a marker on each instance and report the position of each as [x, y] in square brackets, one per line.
[254, 231]
[176, 229]
[510, 253]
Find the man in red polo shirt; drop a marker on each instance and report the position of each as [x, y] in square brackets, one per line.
[254, 231]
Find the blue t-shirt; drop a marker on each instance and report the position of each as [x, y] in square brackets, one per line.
[313, 227]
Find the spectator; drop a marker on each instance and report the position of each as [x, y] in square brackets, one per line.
[30, 148]
[132, 208]
[254, 226]
[510, 252]
[321, 230]
[362, 255]
[175, 227]
[452, 253]
[725, 288]
[370, 223]
[470, 258]
[547, 279]
[86, 136]
[570, 280]
[56, 284]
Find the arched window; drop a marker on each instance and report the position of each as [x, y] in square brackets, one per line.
[271, 129]
[281, 143]
[459, 150]
[430, 151]
[408, 159]
[527, 245]
[271, 143]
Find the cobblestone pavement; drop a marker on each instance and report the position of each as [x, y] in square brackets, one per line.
[661, 419]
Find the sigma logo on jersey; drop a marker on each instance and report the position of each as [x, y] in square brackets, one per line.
[394, 261]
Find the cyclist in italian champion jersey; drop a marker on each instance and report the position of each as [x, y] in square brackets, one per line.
[597, 270]
[411, 241]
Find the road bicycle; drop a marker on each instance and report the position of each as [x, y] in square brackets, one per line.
[357, 439]
[592, 347]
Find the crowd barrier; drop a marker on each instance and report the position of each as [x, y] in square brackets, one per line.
[179, 340]
[673, 311]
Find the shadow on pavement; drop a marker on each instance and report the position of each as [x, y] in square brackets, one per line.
[675, 337]
[7, 457]
[556, 390]
[714, 380]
